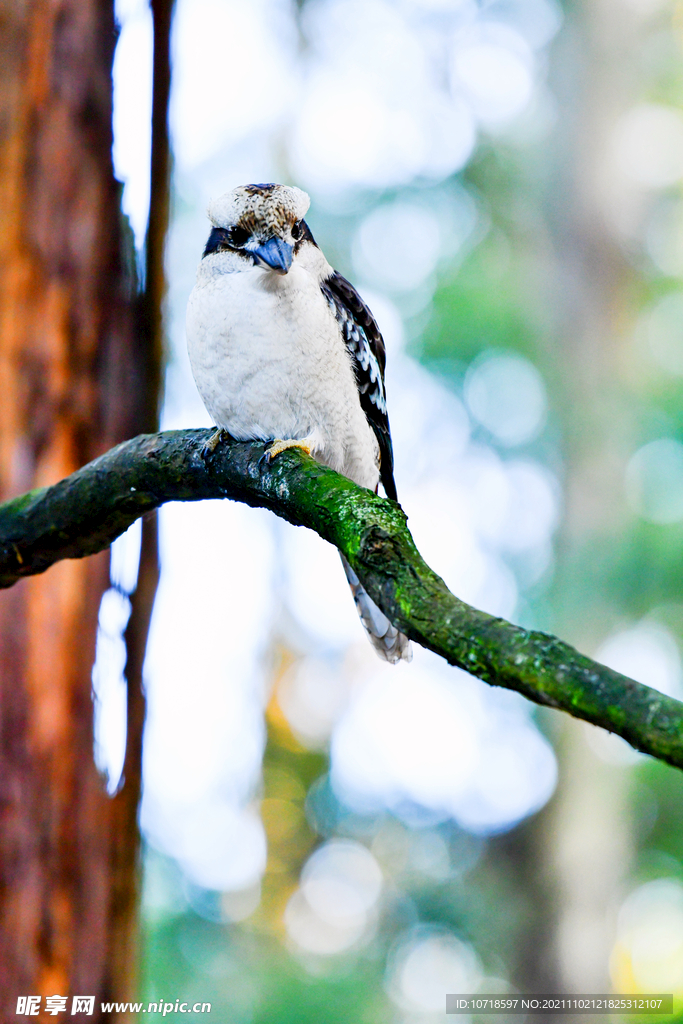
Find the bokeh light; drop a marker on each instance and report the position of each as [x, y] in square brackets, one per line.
[331, 911]
[648, 144]
[479, 762]
[505, 393]
[646, 652]
[493, 67]
[648, 955]
[654, 481]
[427, 963]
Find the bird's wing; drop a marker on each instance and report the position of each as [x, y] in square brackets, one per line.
[366, 346]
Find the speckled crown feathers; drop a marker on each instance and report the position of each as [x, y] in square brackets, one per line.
[263, 208]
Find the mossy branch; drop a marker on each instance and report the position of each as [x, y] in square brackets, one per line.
[85, 512]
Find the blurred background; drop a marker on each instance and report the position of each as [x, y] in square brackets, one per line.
[328, 838]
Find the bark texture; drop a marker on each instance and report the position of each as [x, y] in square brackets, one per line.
[74, 378]
[84, 513]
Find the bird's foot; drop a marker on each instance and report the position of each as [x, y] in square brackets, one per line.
[277, 447]
[210, 446]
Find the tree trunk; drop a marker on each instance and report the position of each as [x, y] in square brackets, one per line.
[75, 377]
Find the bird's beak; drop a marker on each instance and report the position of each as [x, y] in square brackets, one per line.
[275, 254]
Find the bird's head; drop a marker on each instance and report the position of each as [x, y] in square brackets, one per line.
[261, 225]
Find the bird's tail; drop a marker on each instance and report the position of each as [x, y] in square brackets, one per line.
[390, 644]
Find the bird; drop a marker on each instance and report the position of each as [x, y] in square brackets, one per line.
[284, 350]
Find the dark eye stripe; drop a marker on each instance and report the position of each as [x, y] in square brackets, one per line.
[225, 238]
[216, 241]
[304, 235]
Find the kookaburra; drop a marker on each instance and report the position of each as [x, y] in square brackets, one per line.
[284, 349]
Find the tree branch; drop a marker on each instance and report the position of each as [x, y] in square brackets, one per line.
[85, 512]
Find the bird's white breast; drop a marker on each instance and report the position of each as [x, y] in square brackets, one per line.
[270, 362]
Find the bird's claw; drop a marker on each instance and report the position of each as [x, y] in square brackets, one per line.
[212, 443]
[281, 446]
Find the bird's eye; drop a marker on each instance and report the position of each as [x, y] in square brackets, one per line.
[238, 236]
[296, 230]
